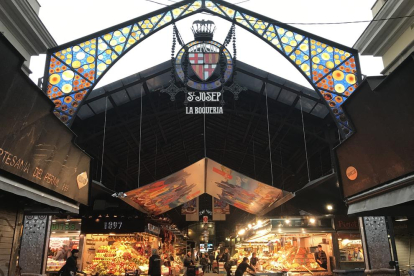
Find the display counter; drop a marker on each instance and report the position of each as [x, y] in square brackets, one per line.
[64, 236]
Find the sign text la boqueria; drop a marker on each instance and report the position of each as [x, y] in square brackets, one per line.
[193, 97]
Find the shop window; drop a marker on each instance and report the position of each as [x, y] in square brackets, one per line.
[351, 251]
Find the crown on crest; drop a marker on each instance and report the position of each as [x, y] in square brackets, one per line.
[203, 30]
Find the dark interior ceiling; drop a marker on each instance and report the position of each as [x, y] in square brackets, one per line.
[238, 139]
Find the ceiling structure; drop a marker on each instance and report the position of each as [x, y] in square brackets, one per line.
[73, 69]
[238, 139]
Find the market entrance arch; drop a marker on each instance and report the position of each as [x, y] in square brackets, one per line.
[73, 69]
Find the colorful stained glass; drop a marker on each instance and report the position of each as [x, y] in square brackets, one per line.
[74, 69]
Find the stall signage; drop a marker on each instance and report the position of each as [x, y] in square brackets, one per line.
[153, 229]
[205, 219]
[107, 225]
[70, 226]
[345, 223]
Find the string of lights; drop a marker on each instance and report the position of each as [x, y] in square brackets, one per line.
[314, 23]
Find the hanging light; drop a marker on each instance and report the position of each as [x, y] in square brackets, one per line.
[242, 232]
[329, 207]
[401, 218]
[312, 220]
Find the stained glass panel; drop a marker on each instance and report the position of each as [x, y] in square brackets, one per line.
[74, 69]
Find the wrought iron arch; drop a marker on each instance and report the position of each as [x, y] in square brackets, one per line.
[74, 68]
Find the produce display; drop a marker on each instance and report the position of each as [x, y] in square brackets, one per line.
[288, 258]
[53, 265]
[116, 259]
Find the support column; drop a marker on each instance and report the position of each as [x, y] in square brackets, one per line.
[33, 244]
[377, 250]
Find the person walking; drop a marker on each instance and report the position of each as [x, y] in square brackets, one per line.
[154, 268]
[241, 268]
[204, 262]
[320, 257]
[71, 266]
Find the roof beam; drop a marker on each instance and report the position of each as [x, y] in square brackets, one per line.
[299, 93]
[145, 86]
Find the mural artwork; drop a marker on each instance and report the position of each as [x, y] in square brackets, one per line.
[238, 190]
[169, 192]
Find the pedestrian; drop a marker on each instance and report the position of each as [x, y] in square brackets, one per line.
[241, 268]
[187, 262]
[254, 261]
[320, 257]
[226, 259]
[154, 268]
[62, 254]
[204, 262]
[210, 262]
[70, 268]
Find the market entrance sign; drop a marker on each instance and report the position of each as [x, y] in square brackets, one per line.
[332, 69]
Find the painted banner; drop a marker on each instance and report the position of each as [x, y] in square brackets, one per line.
[220, 207]
[169, 192]
[189, 207]
[241, 191]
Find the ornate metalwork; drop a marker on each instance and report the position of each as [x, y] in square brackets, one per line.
[33, 244]
[377, 244]
[173, 90]
[73, 69]
[236, 89]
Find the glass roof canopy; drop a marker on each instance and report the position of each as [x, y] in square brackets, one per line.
[73, 69]
[157, 77]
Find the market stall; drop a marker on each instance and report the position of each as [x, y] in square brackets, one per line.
[64, 236]
[288, 245]
[120, 246]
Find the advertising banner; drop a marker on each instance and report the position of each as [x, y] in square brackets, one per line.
[189, 207]
[220, 207]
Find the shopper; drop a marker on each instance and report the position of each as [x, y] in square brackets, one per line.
[226, 259]
[62, 254]
[187, 262]
[154, 268]
[210, 262]
[241, 269]
[320, 257]
[254, 261]
[70, 268]
[204, 262]
[357, 255]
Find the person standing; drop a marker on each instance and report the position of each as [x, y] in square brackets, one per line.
[204, 262]
[226, 259]
[211, 261]
[254, 261]
[320, 257]
[71, 266]
[357, 255]
[154, 268]
[187, 262]
[62, 254]
[241, 268]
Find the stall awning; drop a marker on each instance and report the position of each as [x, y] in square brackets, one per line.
[19, 189]
[385, 197]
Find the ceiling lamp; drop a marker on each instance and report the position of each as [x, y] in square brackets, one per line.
[401, 218]
[241, 232]
[329, 207]
[312, 221]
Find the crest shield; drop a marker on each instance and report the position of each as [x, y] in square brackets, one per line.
[204, 64]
